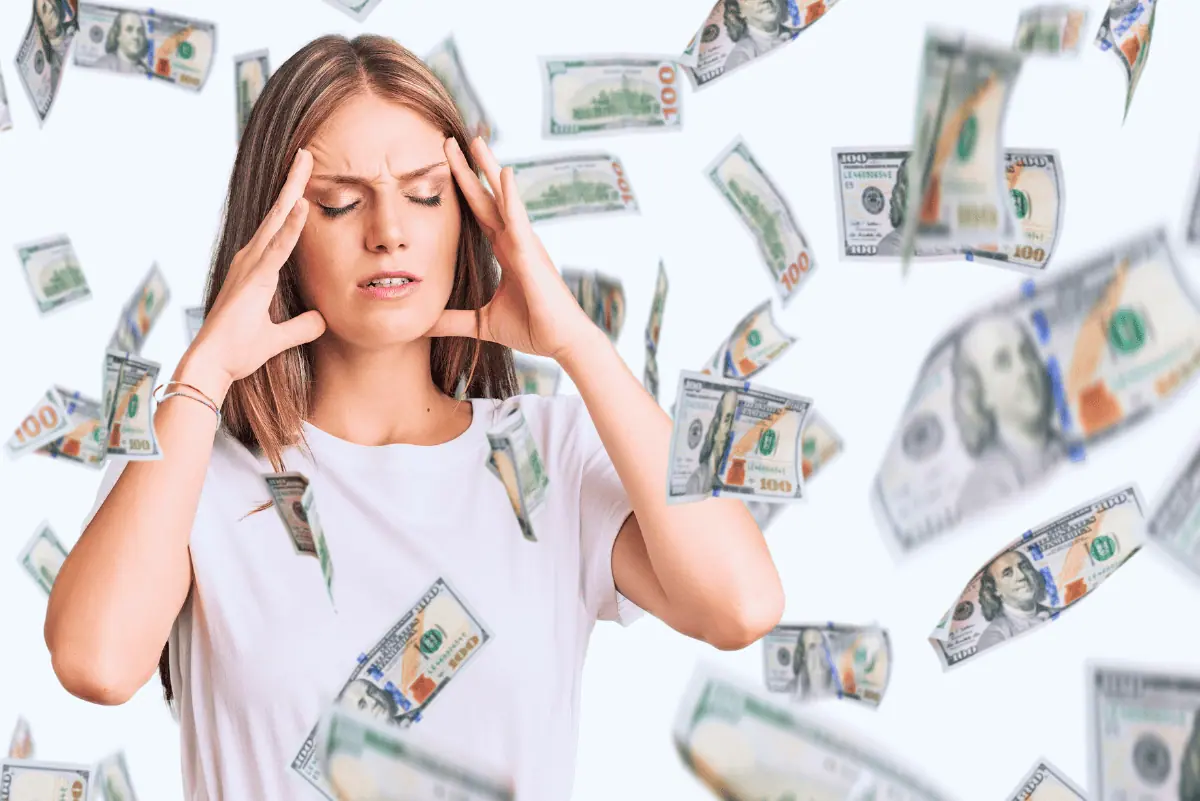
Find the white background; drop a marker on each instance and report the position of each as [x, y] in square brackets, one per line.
[136, 171]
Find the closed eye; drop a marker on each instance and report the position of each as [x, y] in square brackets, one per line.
[338, 211]
[434, 200]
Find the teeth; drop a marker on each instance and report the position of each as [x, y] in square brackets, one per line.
[398, 281]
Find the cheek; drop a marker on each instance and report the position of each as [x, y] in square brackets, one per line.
[316, 256]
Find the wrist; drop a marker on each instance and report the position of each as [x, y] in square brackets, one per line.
[582, 348]
[204, 374]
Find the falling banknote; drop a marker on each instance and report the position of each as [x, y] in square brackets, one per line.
[1050, 30]
[763, 209]
[827, 660]
[1143, 733]
[401, 675]
[294, 500]
[47, 421]
[53, 273]
[445, 62]
[819, 444]
[557, 187]
[357, 9]
[5, 112]
[112, 777]
[1041, 574]
[1126, 30]
[1021, 386]
[603, 94]
[536, 375]
[744, 746]
[514, 460]
[1044, 782]
[602, 297]
[1175, 522]
[29, 780]
[960, 195]
[734, 439]
[756, 342]
[365, 760]
[42, 56]
[250, 74]
[140, 312]
[21, 744]
[654, 330]
[130, 41]
[43, 556]
[86, 440]
[128, 420]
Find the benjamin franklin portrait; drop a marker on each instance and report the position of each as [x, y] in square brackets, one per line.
[1011, 592]
[126, 46]
[716, 441]
[756, 27]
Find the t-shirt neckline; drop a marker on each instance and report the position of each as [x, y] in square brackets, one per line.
[323, 442]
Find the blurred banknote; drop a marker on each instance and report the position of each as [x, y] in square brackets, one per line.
[365, 761]
[250, 74]
[401, 675]
[129, 382]
[1037, 576]
[296, 504]
[42, 556]
[1126, 30]
[733, 438]
[555, 187]
[358, 9]
[53, 273]
[1175, 522]
[603, 94]
[47, 421]
[140, 313]
[21, 744]
[873, 184]
[515, 461]
[536, 375]
[446, 64]
[86, 440]
[756, 341]
[654, 330]
[960, 196]
[737, 32]
[827, 660]
[1017, 388]
[819, 444]
[193, 320]
[1050, 30]
[1143, 734]
[763, 209]
[112, 777]
[42, 55]
[1192, 224]
[131, 41]
[29, 780]
[601, 296]
[744, 746]
[5, 113]
[1044, 782]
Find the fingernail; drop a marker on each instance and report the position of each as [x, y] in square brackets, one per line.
[454, 144]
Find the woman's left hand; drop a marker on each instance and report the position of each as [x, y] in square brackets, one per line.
[532, 311]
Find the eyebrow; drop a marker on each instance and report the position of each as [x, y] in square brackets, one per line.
[360, 180]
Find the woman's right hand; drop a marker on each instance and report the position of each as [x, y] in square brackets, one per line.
[238, 335]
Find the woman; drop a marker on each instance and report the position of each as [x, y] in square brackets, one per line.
[333, 338]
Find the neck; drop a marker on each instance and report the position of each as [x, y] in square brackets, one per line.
[382, 396]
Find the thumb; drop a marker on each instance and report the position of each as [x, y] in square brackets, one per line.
[455, 323]
[300, 329]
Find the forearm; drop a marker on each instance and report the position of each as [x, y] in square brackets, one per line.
[708, 557]
[120, 588]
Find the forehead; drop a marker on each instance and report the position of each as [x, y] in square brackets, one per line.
[368, 133]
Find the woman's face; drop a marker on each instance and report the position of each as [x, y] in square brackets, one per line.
[378, 251]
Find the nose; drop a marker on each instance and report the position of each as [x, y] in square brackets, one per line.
[386, 233]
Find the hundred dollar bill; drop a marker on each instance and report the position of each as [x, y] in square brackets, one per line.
[5, 113]
[827, 660]
[129, 421]
[555, 187]
[515, 461]
[1017, 388]
[42, 56]
[958, 160]
[250, 74]
[1044, 782]
[690, 56]
[654, 330]
[737, 32]
[294, 500]
[21, 744]
[47, 421]
[130, 41]
[756, 341]
[819, 444]
[446, 64]
[1175, 522]
[602, 94]
[358, 9]
[1143, 733]
[601, 296]
[1039, 575]
[140, 313]
[86, 441]
[744, 746]
[53, 273]
[42, 557]
[193, 320]
[732, 438]
[763, 209]
[535, 375]
[29, 780]
[1050, 30]
[1035, 185]
[112, 777]
[1126, 29]
[363, 759]
[406, 670]
[1192, 223]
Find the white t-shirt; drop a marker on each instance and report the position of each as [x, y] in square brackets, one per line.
[259, 651]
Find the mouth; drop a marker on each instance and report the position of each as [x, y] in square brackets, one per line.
[385, 285]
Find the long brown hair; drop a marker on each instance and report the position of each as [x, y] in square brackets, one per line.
[264, 410]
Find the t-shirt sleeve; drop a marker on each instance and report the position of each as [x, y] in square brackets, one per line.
[603, 508]
[107, 482]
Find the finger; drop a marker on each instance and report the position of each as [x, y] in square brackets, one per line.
[455, 323]
[300, 329]
[284, 241]
[478, 198]
[293, 190]
[514, 207]
[491, 167]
